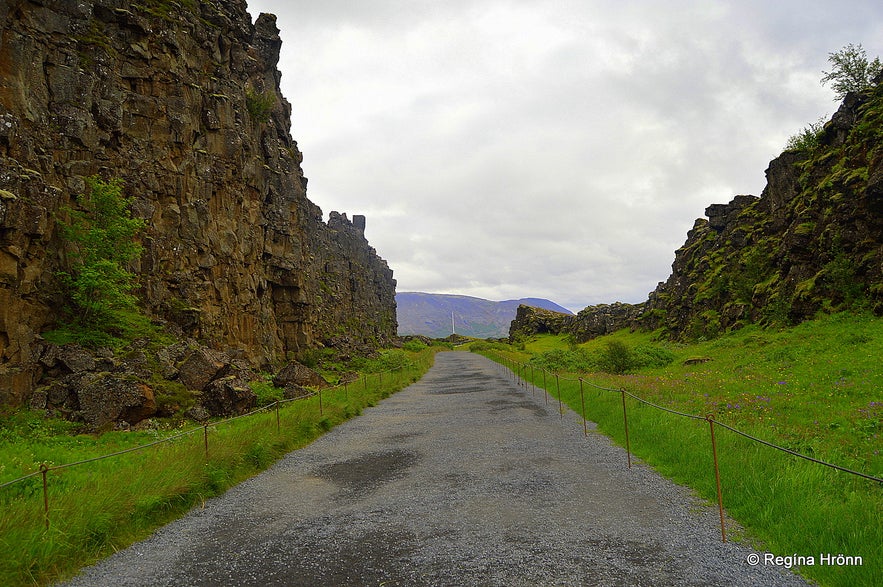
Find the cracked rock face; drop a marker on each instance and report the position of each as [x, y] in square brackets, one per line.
[184, 106]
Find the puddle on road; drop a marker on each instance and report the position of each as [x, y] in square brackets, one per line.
[465, 382]
[369, 471]
[504, 404]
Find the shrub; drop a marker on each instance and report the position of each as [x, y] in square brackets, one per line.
[808, 138]
[101, 241]
[560, 360]
[260, 105]
[414, 346]
[617, 358]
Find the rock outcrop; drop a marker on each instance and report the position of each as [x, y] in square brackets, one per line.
[589, 323]
[182, 102]
[530, 320]
[811, 242]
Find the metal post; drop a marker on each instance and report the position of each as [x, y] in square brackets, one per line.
[205, 438]
[44, 469]
[717, 477]
[545, 391]
[625, 420]
[321, 411]
[278, 427]
[582, 399]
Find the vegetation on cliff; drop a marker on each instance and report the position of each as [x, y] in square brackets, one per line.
[101, 245]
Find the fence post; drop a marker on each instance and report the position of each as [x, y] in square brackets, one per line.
[582, 399]
[533, 382]
[44, 469]
[346, 393]
[717, 477]
[625, 420]
[558, 388]
[205, 438]
[545, 391]
[278, 427]
[321, 411]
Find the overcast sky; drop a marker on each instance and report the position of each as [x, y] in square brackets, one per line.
[559, 149]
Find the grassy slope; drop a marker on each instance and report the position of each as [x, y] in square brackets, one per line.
[815, 388]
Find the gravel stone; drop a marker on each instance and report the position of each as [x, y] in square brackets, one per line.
[463, 478]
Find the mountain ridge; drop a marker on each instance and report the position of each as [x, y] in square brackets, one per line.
[437, 315]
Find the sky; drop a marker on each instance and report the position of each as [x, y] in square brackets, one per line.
[557, 149]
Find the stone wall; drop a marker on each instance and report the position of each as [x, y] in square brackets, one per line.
[182, 104]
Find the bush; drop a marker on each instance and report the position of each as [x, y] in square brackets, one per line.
[414, 346]
[808, 138]
[617, 358]
[260, 105]
[560, 360]
[101, 241]
[648, 355]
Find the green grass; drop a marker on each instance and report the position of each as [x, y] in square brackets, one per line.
[99, 507]
[814, 388]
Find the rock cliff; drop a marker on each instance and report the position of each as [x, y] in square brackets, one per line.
[181, 101]
[812, 241]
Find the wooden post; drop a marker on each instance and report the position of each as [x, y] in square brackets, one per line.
[717, 477]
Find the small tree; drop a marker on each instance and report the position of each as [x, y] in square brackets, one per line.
[851, 72]
[101, 237]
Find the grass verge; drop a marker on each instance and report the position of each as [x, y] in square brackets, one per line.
[105, 505]
[814, 389]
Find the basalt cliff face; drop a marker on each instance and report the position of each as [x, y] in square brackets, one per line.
[181, 101]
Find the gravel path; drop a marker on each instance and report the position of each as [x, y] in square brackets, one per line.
[463, 478]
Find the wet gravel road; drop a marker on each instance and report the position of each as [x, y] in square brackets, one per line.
[464, 478]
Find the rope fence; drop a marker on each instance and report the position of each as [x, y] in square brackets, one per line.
[518, 369]
[45, 469]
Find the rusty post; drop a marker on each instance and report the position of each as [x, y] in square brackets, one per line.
[346, 392]
[205, 438]
[625, 421]
[558, 388]
[533, 382]
[278, 426]
[545, 391]
[582, 399]
[44, 469]
[321, 411]
[717, 477]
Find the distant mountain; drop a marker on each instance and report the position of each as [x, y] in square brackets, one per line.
[430, 314]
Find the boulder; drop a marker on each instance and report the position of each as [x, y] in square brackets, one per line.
[201, 366]
[298, 374]
[228, 396]
[105, 398]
